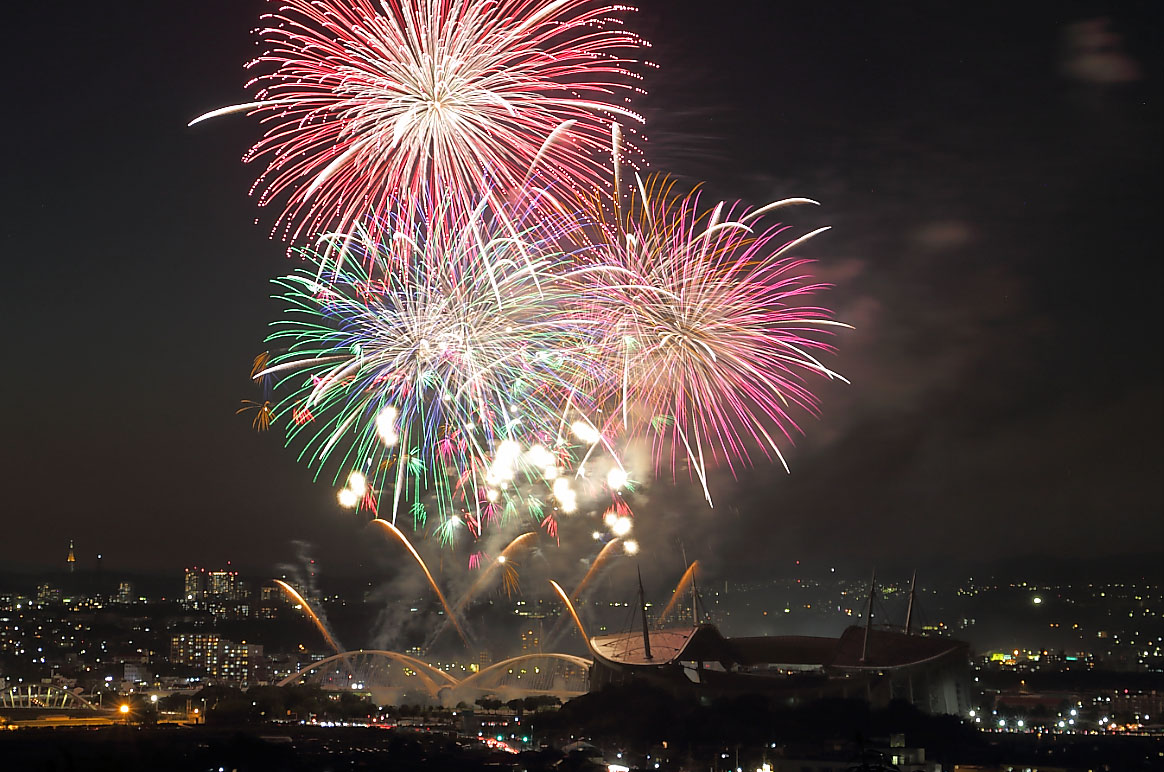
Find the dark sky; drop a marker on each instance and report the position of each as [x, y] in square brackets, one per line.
[996, 244]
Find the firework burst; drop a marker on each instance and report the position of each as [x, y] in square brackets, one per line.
[434, 370]
[366, 103]
[709, 346]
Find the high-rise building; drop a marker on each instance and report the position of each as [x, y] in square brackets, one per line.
[194, 588]
[219, 591]
[270, 599]
[124, 593]
[217, 656]
[196, 650]
[71, 560]
[222, 585]
[241, 662]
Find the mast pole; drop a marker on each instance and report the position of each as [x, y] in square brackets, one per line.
[643, 609]
[869, 616]
[694, 601]
[909, 610]
[694, 589]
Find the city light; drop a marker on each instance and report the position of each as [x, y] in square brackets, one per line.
[123, 709]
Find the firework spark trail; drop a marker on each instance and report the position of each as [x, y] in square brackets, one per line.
[311, 613]
[432, 582]
[596, 566]
[707, 348]
[681, 588]
[366, 104]
[503, 559]
[570, 607]
[603, 556]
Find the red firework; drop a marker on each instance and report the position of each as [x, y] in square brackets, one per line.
[368, 104]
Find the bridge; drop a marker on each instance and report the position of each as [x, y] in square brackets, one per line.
[42, 697]
[391, 677]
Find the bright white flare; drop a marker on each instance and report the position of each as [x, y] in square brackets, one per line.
[616, 478]
[630, 547]
[348, 498]
[621, 526]
[358, 484]
[585, 431]
[386, 426]
[538, 456]
[567, 499]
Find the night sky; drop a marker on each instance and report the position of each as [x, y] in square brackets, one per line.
[996, 206]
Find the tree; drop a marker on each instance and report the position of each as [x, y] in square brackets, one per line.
[489, 704]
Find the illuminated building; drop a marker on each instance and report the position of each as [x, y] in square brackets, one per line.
[530, 640]
[222, 585]
[124, 593]
[218, 657]
[194, 588]
[71, 560]
[220, 592]
[46, 594]
[270, 598]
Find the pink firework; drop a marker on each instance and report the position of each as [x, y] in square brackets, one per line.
[367, 104]
[710, 346]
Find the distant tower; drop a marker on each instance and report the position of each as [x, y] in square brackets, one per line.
[72, 558]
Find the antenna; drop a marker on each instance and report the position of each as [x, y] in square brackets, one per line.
[643, 608]
[869, 616]
[694, 602]
[909, 610]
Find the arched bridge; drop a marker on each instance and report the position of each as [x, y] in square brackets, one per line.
[392, 677]
[561, 675]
